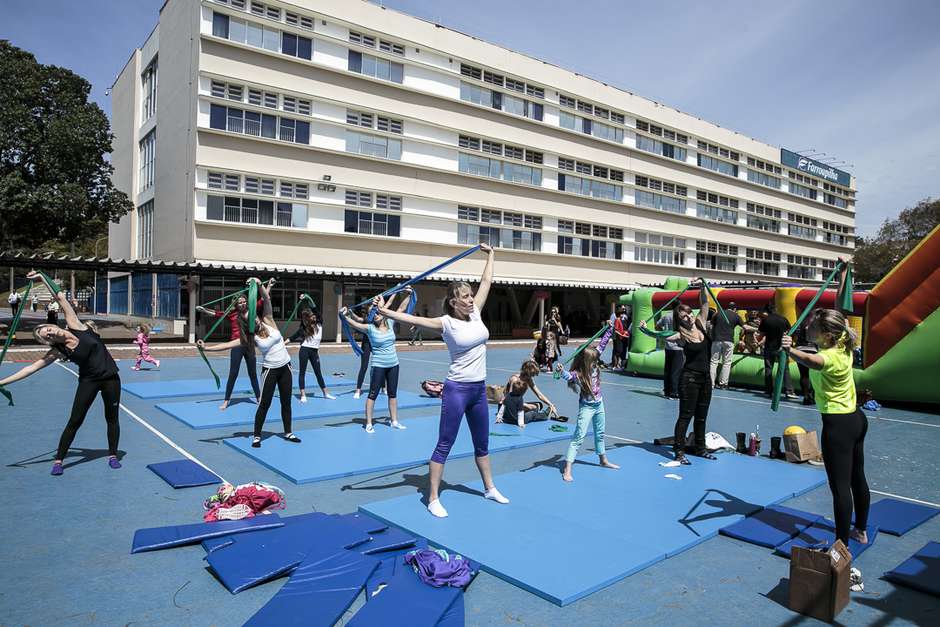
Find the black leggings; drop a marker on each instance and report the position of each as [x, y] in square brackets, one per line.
[364, 360]
[672, 368]
[84, 396]
[383, 377]
[695, 395]
[282, 378]
[234, 364]
[843, 449]
[313, 356]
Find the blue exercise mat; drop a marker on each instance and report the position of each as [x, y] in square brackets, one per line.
[318, 592]
[329, 453]
[770, 527]
[822, 534]
[249, 561]
[613, 522]
[155, 538]
[199, 387]
[206, 414]
[898, 517]
[184, 473]
[921, 571]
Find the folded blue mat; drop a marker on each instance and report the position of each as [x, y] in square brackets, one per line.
[184, 473]
[409, 602]
[921, 571]
[156, 538]
[205, 414]
[211, 544]
[770, 527]
[318, 592]
[898, 517]
[255, 558]
[823, 533]
[454, 616]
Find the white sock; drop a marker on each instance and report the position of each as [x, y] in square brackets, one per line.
[437, 509]
[494, 495]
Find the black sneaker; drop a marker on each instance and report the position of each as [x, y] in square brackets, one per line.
[682, 459]
[256, 442]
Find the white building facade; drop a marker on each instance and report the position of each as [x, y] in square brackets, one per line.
[338, 136]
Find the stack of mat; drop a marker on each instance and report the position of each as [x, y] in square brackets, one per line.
[329, 559]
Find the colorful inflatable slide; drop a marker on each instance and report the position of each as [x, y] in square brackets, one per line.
[898, 323]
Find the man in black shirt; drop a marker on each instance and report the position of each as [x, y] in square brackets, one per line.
[773, 326]
[723, 343]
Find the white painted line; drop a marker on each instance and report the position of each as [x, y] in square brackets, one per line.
[607, 435]
[906, 498]
[156, 432]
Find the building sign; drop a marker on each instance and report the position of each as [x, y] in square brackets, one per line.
[814, 168]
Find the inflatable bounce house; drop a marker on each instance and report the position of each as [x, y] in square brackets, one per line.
[898, 323]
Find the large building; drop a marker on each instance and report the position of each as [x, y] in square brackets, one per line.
[359, 143]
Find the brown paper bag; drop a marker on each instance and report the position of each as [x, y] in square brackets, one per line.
[801, 447]
[819, 581]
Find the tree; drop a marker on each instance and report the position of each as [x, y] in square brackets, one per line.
[876, 256]
[55, 182]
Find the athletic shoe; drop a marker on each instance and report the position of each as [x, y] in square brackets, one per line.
[290, 437]
[357, 394]
[494, 495]
[303, 399]
[235, 512]
[158, 363]
[437, 509]
[329, 396]
[56, 469]
[791, 396]
[256, 442]
[398, 425]
[135, 367]
[114, 463]
[370, 429]
[855, 580]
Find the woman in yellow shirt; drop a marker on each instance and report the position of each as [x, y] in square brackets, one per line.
[844, 424]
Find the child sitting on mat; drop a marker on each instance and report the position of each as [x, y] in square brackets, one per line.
[585, 377]
[143, 346]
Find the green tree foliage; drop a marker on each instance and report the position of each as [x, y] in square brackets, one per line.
[876, 256]
[55, 182]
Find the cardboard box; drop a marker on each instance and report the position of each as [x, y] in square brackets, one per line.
[801, 447]
[819, 581]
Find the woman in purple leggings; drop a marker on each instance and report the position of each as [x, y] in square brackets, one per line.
[465, 388]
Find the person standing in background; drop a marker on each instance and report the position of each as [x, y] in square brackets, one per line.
[674, 359]
[723, 344]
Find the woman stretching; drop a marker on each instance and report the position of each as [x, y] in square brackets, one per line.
[585, 377]
[514, 409]
[366, 353]
[844, 424]
[309, 335]
[465, 388]
[695, 386]
[97, 373]
[275, 363]
[381, 335]
[241, 350]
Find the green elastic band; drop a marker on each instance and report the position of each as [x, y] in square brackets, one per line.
[582, 347]
[505, 435]
[558, 428]
[303, 298]
[717, 304]
[783, 359]
[11, 333]
[669, 302]
[844, 300]
[221, 298]
[218, 382]
[52, 284]
[252, 306]
[202, 353]
[659, 335]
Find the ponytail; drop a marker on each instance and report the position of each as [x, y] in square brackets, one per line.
[834, 324]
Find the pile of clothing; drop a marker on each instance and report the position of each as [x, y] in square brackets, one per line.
[437, 568]
[243, 501]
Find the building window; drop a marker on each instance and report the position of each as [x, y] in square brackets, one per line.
[724, 153]
[589, 187]
[801, 267]
[369, 120]
[259, 124]
[145, 230]
[372, 223]
[763, 218]
[802, 190]
[513, 237]
[763, 179]
[715, 256]
[835, 201]
[256, 211]
[609, 248]
[149, 89]
[373, 145]
[376, 67]
[718, 214]
[294, 190]
[722, 167]
[658, 201]
[762, 262]
[298, 20]
[499, 100]
[660, 148]
[255, 185]
[296, 46]
[147, 157]
[801, 226]
[494, 168]
[658, 248]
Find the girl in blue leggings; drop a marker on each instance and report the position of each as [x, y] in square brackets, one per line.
[585, 378]
[465, 388]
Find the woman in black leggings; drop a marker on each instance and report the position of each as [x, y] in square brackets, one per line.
[241, 350]
[97, 373]
[844, 424]
[695, 385]
[309, 335]
[366, 348]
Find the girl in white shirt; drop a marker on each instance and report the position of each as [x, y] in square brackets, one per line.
[465, 388]
[275, 364]
[309, 335]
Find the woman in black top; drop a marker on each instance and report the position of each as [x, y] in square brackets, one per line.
[97, 373]
[695, 386]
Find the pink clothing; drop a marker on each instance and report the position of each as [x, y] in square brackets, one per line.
[143, 343]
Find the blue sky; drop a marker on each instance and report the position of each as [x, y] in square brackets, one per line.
[856, 80]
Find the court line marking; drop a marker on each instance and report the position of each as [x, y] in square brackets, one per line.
[156, 431]
[731, 398]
